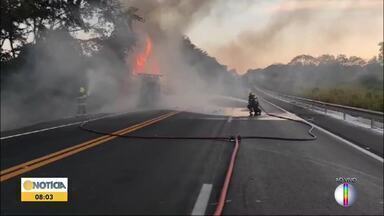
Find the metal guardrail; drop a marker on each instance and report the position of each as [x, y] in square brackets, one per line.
[353, 111]
[373, 116]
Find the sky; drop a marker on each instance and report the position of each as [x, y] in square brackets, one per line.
[249, 34]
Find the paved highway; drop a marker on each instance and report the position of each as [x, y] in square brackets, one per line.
[116, 175]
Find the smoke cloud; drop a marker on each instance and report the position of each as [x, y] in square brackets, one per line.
[45, 87]
[293, 27]
[167, 22]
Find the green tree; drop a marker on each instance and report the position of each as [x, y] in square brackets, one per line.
[22, 20]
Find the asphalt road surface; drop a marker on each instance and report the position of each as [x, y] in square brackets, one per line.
[116, 175]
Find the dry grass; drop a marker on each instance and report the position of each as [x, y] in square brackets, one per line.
[350, 96]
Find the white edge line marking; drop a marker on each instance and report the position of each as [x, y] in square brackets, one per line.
[56, 127]
[377, 157]
[202, 200]
[295, 104]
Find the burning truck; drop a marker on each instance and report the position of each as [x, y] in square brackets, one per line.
[146, 71]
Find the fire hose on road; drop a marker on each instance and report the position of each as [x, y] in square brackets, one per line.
[232, 139]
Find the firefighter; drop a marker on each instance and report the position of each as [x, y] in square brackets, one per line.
[251, 98]
[253, 105]
[82, 102]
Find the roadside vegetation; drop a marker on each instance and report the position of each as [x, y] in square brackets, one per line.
[361, 97]
[350, 81]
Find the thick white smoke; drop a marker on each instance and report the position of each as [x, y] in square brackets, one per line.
[188, 79]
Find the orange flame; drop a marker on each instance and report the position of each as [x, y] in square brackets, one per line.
[145, 63]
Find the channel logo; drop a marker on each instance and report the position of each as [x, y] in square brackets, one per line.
[345, 194]
[44, 189]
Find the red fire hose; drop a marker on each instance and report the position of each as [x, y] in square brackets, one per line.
[236, 140]
[224, 189]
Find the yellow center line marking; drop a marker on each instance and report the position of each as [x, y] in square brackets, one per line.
[81, 145]
[41, 161]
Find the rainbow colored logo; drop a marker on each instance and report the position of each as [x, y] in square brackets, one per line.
[345, 194]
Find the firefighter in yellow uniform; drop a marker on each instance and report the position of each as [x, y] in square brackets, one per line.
[82, 102]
